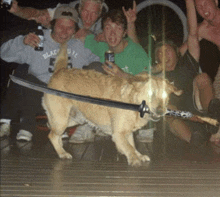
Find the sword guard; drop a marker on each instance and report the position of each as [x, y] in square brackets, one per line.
[143, 109]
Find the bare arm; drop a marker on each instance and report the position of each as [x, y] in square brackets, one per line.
[23, 12]
[131, 18]
[40, 16]
[192, 43]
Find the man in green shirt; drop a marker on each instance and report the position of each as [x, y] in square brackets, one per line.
[129, 56]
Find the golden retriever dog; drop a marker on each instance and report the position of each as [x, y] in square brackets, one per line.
[118, 123]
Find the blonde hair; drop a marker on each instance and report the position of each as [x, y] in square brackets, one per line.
[162, 43]
[101, 2]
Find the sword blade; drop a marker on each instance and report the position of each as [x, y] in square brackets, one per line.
[104, 102]
[142, 108]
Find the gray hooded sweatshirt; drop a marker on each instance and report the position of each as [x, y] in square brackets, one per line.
[41, 63]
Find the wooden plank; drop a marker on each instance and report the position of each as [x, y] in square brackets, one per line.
[33, 169]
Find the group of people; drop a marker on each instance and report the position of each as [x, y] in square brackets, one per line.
[90, 30]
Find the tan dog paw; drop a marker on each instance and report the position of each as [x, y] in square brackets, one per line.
[65, 156]
[144, 158]
[134, 161]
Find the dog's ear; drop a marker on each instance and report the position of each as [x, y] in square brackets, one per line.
[178, 92]
[157, 68]
[134, 85]
[174, 89]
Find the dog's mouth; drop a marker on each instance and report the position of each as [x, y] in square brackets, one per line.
[155, 117]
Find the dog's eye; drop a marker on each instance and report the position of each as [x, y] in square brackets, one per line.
[164, 95]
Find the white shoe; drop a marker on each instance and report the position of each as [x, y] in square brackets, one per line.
[5, 127]
[24, 135]
[82, 134]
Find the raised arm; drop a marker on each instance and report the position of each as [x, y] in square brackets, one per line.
[40, 16]
[192, 43]
[131, 18]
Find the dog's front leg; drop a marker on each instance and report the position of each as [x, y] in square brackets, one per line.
[124, 147]
[57, 143]
[142, 157]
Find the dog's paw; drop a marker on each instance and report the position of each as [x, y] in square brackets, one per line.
[65, 156]
[134, 161]
[144, 158]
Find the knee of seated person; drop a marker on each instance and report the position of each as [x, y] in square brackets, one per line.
[203, 80]
[170, 121]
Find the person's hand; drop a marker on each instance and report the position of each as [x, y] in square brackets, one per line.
[130, 13]
[112, 69]
[42, 17]
[32, 40]
[100, 37]
[14, 7]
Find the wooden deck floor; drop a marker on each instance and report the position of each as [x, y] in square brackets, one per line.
[33, 169]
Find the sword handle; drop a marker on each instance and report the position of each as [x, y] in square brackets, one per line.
[143, 108]
[182, 114]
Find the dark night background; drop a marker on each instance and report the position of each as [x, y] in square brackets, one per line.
[149, 22]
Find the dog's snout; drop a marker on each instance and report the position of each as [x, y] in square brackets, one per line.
[160, 110]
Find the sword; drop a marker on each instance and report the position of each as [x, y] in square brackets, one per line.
[142, 108]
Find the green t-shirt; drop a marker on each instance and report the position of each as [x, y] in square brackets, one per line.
[132, 60]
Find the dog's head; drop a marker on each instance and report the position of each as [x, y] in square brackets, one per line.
[156, 92]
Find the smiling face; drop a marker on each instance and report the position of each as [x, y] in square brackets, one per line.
[89, 13]
[166, 55]
[207, 9]
[113, 32]
[63, 30]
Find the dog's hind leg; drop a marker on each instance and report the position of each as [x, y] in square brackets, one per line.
[58, 120]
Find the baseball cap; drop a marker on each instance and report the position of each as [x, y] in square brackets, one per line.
[67, 12]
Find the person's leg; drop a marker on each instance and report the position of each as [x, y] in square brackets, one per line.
[10, 106]
[192, 132]
[179, 128]
[205, 87]
[31, 105]
[214, 106]
[216, 84]
[216, 138]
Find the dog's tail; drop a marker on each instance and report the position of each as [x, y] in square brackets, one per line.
[62, 58]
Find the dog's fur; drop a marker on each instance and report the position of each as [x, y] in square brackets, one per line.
[119, 123]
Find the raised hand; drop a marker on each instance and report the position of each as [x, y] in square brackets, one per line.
[14, 7]
[131, 13]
